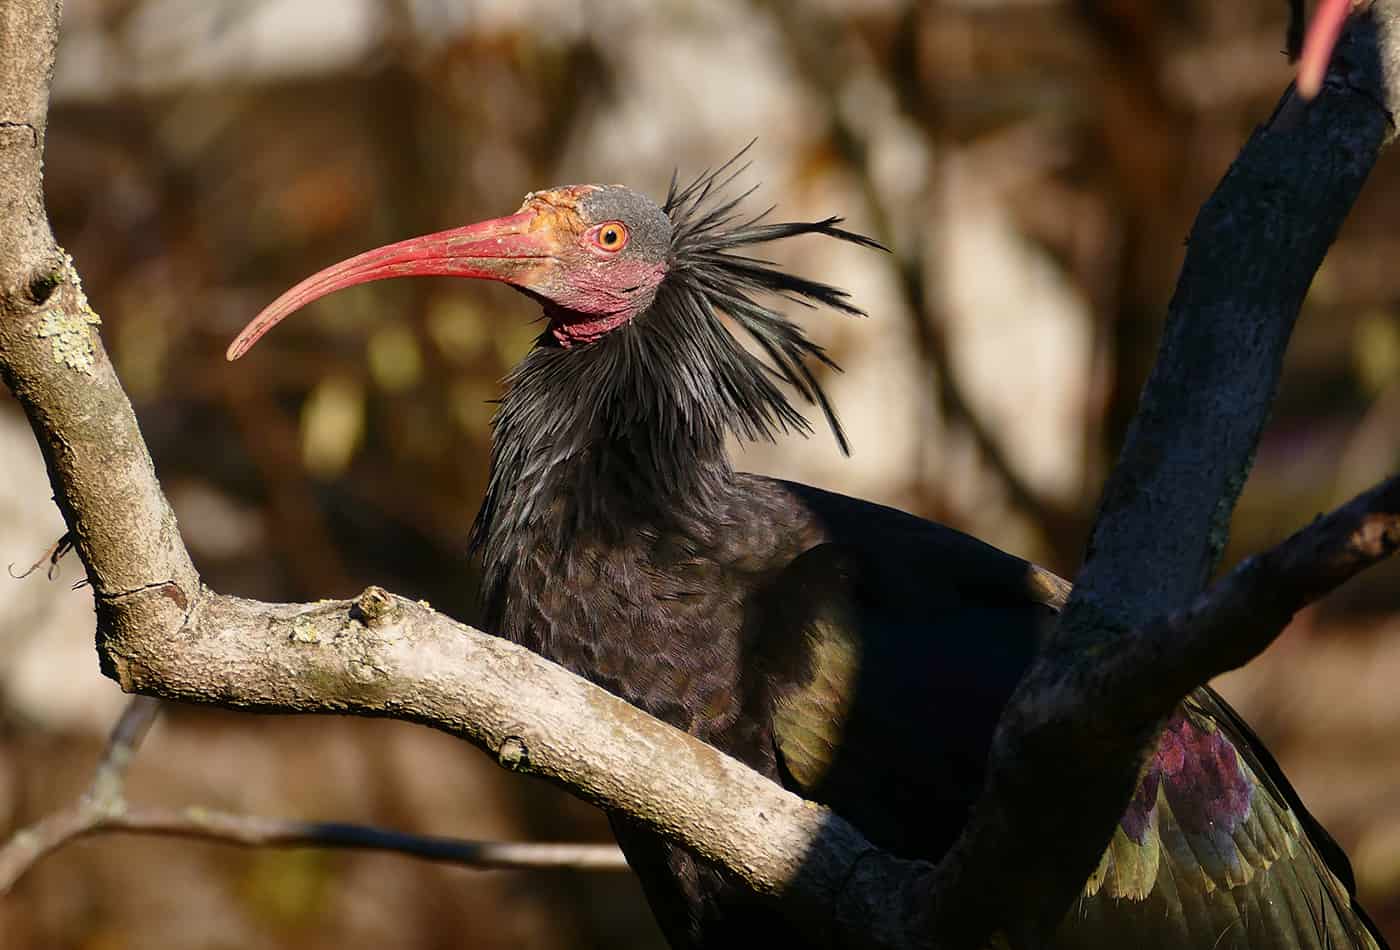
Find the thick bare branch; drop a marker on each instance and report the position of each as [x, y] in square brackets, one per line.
[1161, 528]
[28, 35]
[54, 362]
[384, 655]
[1242, 614]
[1068, 749]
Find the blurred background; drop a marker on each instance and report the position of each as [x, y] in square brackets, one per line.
[1034, 164]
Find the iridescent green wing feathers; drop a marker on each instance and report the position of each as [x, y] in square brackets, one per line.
[1215, 849]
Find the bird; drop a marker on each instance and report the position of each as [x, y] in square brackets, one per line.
[816, 637]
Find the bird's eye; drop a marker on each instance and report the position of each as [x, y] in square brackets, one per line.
[611, 236]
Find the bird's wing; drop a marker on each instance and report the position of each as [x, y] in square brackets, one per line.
[884, 695]
[811, 658]
[876, 712]
[1216, 850]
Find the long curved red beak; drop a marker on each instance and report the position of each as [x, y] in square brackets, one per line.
[1323, 31]
[512, 249]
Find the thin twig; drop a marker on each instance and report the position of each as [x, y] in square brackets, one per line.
[28, 846]
[32, 844]
[103, 809]
[110, 775]
[259, 831]
[103, 798]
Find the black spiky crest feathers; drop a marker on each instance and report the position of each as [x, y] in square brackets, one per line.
[631, 428]
[704, 264]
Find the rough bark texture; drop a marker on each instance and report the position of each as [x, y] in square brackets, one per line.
[28, 35]
[383, 655]
[53, 358]
[1164, 517]
[1081, 720]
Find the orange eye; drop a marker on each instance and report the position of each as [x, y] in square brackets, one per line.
[611, 236]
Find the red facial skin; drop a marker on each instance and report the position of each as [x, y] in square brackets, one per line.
[592, 304]
[589, 287]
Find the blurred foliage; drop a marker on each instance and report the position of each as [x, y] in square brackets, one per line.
[1033, 165]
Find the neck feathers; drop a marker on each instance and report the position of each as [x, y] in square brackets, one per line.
[597, 440]
[622, 430]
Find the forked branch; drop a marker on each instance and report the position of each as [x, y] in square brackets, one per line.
[1159, 532]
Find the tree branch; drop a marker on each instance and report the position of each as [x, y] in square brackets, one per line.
[259, 831]
[1071, 741]
[104, 808]
[103, 799]
[1038, 829]
[1241, 615]
[32, 844]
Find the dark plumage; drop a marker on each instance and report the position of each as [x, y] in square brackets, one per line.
[854, 653]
